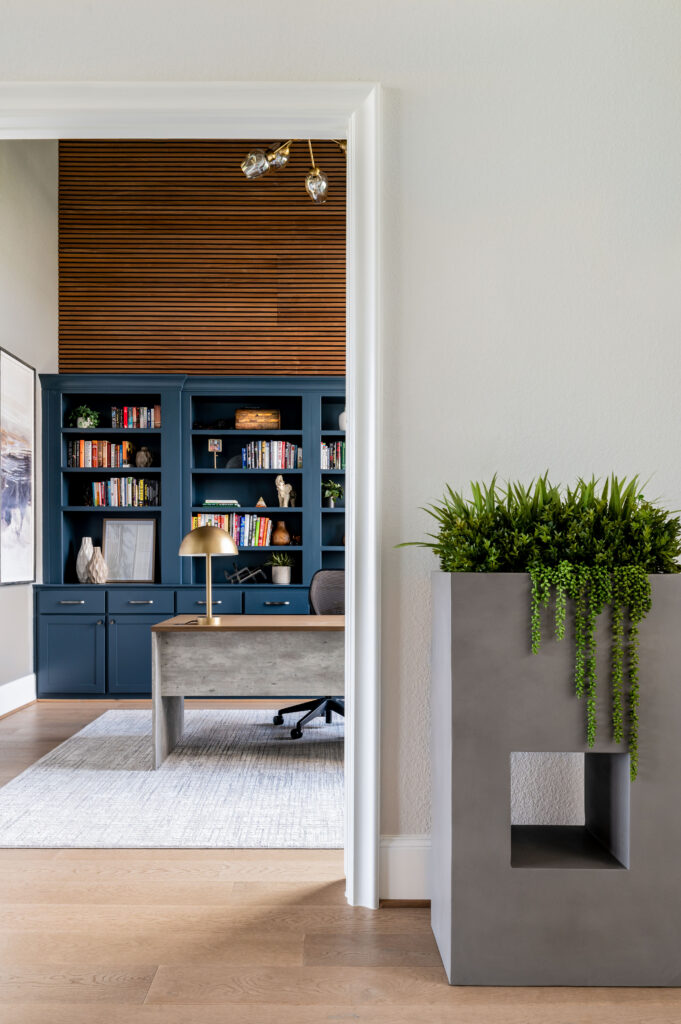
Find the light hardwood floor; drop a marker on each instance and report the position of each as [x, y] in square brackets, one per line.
[232, 937]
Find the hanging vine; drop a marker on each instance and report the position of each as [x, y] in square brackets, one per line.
[592, 545]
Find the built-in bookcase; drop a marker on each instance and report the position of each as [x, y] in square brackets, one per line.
[307, 407]
[185, 474]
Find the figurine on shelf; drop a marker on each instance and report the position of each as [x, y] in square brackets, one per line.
[215, 446]
[261, 503]
[283, 491]
[144, 458]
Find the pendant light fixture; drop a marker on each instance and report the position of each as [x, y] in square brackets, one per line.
[260, 161]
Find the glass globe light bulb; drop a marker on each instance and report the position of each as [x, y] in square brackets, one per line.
[317, 185]
[255, 164]
[278, 158]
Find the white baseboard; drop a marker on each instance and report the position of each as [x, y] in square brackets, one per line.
[404, 868]
[18, 692]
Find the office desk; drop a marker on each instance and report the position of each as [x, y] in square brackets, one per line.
[277, 656]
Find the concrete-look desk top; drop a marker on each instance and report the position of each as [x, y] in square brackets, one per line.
[241, 623]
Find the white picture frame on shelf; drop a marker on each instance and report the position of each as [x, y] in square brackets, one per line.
[129, 549]
[17, 470]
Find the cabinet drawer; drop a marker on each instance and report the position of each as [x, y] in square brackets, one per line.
[143, 599]
[277, 601]
[225, 602]
[72, 600]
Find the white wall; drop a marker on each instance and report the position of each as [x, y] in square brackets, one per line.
[28, 329]
[530, 245]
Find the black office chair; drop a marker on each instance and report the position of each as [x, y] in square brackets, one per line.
[327, 597]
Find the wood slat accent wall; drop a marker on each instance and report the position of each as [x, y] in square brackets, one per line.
[171, 261]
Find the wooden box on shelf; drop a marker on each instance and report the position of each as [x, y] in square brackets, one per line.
[257, 419]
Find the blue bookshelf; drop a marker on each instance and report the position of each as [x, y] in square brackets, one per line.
[88, 637]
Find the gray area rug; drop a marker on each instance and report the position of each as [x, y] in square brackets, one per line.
[235, 781]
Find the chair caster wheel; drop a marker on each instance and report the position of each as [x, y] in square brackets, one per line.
[296, 733]
[278, 720]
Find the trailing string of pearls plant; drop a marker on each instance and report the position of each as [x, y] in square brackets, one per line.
[592, 545]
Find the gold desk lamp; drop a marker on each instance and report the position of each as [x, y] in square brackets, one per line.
[208, 541]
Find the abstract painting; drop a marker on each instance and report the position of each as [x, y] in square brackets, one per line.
[17, 483]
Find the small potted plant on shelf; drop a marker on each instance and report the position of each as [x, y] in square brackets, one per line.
[281, 563]
[84, 417]
[332, 491]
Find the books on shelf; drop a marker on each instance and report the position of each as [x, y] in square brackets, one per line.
[86, 454]
[333, 455]
[125, 492]
[136, 417]
[248, 531]
[271, 455]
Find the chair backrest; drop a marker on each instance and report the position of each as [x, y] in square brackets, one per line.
[327, 592]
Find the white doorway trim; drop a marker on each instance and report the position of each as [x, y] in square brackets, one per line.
[268, 111]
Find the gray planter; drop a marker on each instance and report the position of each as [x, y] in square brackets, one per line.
[596, 903]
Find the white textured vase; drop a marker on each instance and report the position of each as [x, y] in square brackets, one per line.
[281, 573]
[97, 570]
[342, 420]
[83, 559]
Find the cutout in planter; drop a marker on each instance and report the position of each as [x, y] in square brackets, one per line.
[551, 827]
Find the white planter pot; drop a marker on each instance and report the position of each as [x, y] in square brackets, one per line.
[84, 423]
[281, 573]
[342, 420]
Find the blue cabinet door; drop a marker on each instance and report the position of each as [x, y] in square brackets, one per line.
[129, 658]
[71, 654]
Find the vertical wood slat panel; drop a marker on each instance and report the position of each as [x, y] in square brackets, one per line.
[171, 261]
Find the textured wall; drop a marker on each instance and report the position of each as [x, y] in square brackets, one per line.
[547, 788]
[530, 246]
[28, 329]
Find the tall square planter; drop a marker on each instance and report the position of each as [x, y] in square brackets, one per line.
[598, 904]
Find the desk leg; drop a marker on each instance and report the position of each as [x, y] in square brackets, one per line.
[167, 712]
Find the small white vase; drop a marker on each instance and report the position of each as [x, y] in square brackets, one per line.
[281, 573]
[83, 559]
[342, 420]
[97, 570]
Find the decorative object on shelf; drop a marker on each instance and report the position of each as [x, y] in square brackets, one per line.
[261, 503]
[595, 547]
[97, 570]
[208, 541]
[283, 491]
[83, 560]
[215, 446]
[17, 442]
[244, 575]
[144, 458]
[260, 161]
[281, 564]
[84, 418]
[257, 419]
[280, 535]
[342, 420]
[234, 462]
[333, 492]
[130, 549]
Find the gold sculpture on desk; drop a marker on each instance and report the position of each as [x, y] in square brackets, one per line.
[208, 541]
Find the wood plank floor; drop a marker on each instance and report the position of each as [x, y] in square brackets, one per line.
[232, 937]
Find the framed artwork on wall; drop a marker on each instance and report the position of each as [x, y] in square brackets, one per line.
[129, 549]
[17, 470]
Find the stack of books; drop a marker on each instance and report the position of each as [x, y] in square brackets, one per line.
[248, 531]
[333, 455]
[125, 492]
[272, 455]
[136, 417]
[84, 454]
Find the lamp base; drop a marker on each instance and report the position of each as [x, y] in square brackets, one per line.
[204, 620]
